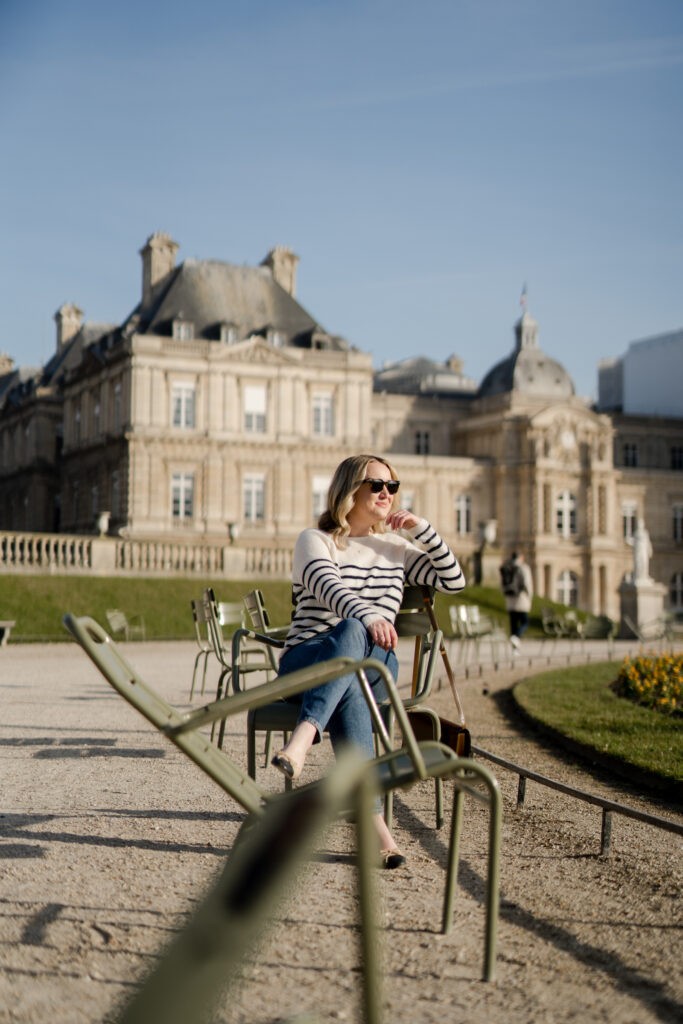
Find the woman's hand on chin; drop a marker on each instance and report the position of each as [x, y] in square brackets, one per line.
[402, 519]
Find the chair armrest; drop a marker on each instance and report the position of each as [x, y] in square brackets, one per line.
[300, 681]
[278, 632]
[241, 635]
[264, 693]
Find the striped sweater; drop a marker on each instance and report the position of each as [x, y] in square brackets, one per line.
[365, 579]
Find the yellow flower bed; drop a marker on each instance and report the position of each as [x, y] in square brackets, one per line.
[655, 681]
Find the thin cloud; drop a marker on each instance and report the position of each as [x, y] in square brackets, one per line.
[593, 61]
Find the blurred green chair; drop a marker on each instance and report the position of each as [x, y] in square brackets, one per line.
[125, 628]
[203, 960]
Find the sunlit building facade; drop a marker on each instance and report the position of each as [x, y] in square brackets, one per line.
[221, 406]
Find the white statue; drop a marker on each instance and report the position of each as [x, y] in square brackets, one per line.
[642, 552]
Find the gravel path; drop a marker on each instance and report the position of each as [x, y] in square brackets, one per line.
[108, 835]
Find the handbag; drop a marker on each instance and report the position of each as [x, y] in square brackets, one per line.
[455, 736]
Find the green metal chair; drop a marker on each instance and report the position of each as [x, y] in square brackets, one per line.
[255, 607]
[126, 627]
[211, 618]
[202, 630]
[395, 769]
[412, 620]
[259, 654]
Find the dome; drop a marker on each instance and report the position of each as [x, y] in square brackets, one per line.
[528, 370]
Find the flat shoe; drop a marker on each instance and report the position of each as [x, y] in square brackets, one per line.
[287, 765]
[391, 859]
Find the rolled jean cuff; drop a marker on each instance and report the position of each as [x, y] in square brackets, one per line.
[317, 726]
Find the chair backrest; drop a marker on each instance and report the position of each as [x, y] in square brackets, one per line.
[200, 619]
[416, 618]
[230, 613]
[221, 615]
[256, 610]
[479, 625]
[473, 614]
[118, 623]
[457, 614]
[549, 621]
[251, 651]
[413, 618]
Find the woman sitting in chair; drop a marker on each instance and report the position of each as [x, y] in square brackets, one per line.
[348, 579]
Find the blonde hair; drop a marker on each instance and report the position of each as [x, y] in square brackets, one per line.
[341, 496]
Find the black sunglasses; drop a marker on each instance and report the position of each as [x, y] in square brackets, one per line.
[376, 485]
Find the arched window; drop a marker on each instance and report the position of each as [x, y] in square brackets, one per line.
[568, 588]
[565, 513]
[676, 590]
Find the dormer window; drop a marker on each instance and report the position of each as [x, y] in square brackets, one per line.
[320, 340]
[228, 334]
[183, 330]
[276, 338]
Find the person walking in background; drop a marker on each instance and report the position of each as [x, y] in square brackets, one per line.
[518, 589]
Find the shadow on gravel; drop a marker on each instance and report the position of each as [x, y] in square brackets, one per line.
[26, 827]
[634, 985]
[84, 746]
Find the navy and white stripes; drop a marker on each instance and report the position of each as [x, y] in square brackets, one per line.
[365, 579]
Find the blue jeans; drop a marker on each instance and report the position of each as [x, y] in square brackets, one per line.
[339, 706]
[518, 623]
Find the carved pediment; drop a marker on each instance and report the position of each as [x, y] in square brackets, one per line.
[259, 352]
[561, 432]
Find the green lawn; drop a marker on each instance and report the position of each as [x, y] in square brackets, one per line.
[37, 603]
[579, 703]
[576, 702]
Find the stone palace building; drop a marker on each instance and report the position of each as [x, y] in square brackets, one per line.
[219, 408]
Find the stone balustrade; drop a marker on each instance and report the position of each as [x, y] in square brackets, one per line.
[62, 554]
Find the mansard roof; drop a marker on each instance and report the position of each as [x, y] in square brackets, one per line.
[210, 293]
[69, 354]
[11, 382]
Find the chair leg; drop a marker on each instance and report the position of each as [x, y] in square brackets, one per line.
[206, 662]
[251, 748]
[366, 844]
[194, 673]
[492, 872]
[452, 861]
[493, 883]
[268, 747]
[438, 795]
[389, 809]
[220, 690]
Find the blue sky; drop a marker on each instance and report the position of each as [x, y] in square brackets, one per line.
[425, 160]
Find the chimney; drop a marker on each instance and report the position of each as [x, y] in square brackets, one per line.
[282, 263]
[69, 320]
[158, 260]
[6, 363]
